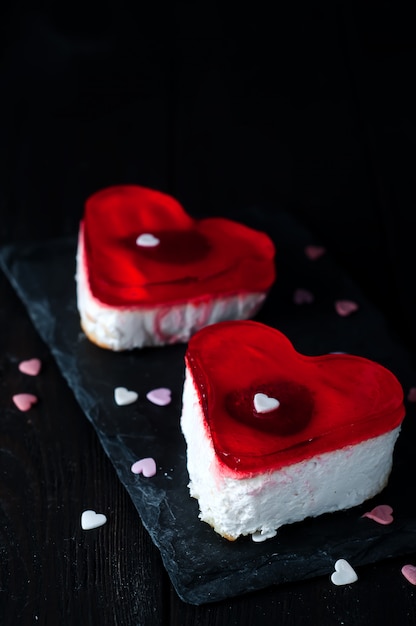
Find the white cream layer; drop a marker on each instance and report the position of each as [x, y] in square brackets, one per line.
[124, 328]
[259, 505]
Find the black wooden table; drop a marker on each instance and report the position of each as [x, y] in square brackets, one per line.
[314, 116]
[53, 467]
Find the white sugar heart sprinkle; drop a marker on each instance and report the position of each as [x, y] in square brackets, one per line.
[344, 574]
[146, 466]
[264, 403]
[258, 537]
[90, 519]
[31, 367]
[314, 252]
[161, 396]
[24, 401]
[123, 396]
[345, 307]
[147, 240]
[303, 296]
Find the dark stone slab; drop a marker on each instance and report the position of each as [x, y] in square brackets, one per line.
[204, 567]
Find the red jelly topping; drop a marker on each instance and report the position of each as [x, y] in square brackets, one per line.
[193, 259]
[326, 402]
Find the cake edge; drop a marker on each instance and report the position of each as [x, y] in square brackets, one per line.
[259, 505]
[127, 328]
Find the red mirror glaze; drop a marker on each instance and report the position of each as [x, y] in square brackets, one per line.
[193, 259]
[326, 402]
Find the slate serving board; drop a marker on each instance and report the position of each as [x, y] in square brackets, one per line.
[202, 566]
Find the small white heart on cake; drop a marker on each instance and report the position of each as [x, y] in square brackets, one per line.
[264, 403]
[123, 396]
[147, 240]
[91, 519]
[344, 574]
[31, 367]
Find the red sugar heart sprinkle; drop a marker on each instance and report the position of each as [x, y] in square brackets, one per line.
[381, 514]
[409, 572]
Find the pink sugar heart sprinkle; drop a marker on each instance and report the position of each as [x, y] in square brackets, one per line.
[411, 396]
[345, 307]
[30, 367]
[382, 514]
[409, 572]
[24, 401]
[161, 396]
[146, 466]
[303, 296]
[314, 252]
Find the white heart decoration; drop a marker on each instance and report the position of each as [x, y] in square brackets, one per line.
[258, 536]
[147, 240]
[264, 403]
[91, 519]
[123, 396]
[344, 574]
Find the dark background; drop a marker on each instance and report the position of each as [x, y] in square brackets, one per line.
[308, 109]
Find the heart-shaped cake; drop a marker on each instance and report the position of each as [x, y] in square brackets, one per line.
[149, 274]
[274, 436]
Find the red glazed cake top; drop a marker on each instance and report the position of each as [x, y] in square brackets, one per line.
[307, 405]
[141, 247]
